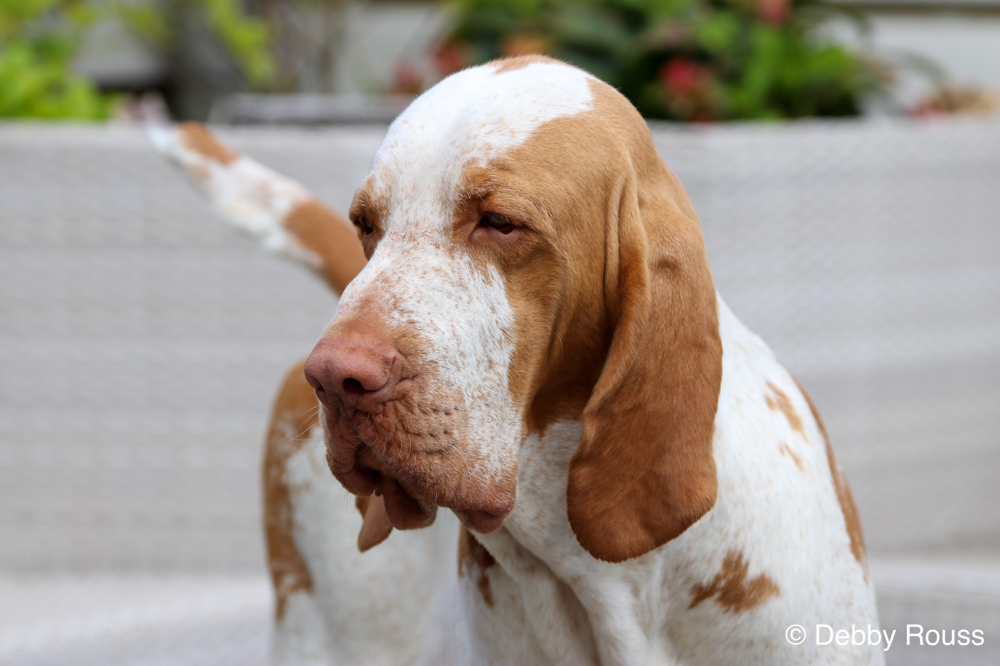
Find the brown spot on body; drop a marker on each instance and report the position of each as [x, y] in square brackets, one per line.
[787, 451]
[844, 496]
[732, 589]
[780, 401]
[293, 416]
[200, 140]
[473, 556]
[331, 238]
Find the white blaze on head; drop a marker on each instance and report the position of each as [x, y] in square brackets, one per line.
[432, 287]
[472, 117]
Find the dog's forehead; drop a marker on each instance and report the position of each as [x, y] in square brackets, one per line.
[471, 118]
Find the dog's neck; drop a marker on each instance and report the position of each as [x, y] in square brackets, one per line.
[590, 611]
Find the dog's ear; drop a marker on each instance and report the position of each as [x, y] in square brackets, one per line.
[376, 526]
[644, 471]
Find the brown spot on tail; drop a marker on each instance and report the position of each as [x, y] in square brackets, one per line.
[844, 496]
[731, 587]
[473, 556]
[293, 416]
[200, 140]
[331, 238]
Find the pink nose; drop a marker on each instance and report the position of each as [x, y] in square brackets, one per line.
[353, 366]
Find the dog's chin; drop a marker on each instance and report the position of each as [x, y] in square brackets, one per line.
[482, 521]
[362, 473]
[405, 511]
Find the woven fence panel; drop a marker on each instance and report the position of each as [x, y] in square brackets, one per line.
[141, 340]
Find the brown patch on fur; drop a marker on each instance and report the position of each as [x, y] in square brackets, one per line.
[844, 496]
[472, 555]
[331, 238]
[732, 589]
[617, 325]
[781, 402]
[293, 416]
[505, 65]
[787, 451]
[200, 140]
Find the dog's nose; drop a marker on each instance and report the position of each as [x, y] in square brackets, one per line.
[354, 367]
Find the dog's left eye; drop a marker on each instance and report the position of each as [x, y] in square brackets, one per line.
[498, 222]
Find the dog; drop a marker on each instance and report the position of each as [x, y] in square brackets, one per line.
[536, 345]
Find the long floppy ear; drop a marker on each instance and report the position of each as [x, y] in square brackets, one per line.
[644, 470]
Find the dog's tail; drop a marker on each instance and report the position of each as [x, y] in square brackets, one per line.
[276, 210]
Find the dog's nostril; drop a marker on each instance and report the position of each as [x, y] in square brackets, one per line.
[353, 387]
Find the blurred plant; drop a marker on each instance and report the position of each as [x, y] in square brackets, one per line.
[306, 39]
[245, 37]
[38, 39]
[680, 59]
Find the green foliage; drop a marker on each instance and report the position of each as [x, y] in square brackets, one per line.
[39, 38]
[680, 59]
[37, 41]
[247, 38]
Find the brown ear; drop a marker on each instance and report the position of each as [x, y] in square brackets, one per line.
[644, 471]
[376, 526]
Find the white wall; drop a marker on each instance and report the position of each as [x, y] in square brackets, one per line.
[964, 43]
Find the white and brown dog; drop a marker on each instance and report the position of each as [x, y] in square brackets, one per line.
[536, 344]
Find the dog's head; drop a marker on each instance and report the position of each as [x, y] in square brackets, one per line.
[531, 259]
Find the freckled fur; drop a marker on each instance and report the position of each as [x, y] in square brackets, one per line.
[732, 589]
[475, 560]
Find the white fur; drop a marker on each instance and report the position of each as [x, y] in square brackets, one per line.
[467, 118]
[389, 606]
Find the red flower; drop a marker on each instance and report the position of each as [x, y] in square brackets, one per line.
[683, 77]
[406, 80]
[774, 12]
[450, 57]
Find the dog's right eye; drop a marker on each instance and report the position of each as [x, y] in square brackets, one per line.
[498, 222]
[363, 224]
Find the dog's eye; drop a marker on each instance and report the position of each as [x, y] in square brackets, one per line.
[498, 222]
[363, 224]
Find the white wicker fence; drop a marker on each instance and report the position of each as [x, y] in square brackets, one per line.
[141, 342]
